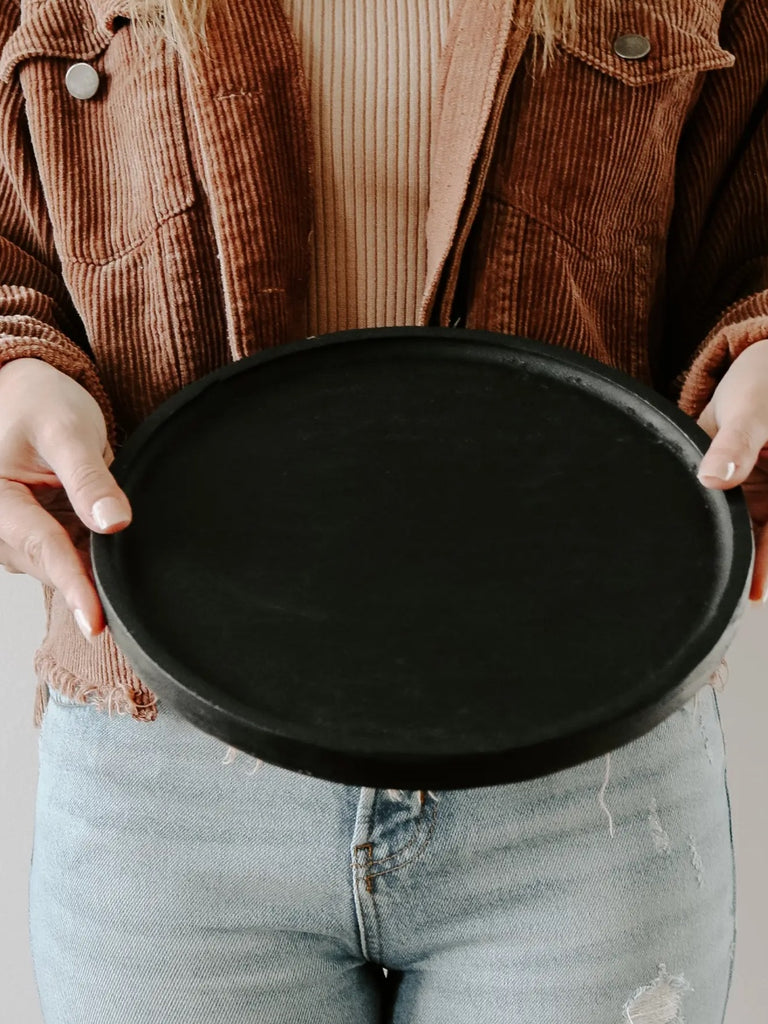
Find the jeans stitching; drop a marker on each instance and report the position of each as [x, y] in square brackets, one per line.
[416, 838]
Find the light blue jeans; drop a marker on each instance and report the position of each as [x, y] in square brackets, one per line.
[172, 884]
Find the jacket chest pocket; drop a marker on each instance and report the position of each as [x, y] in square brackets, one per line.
[588, 145]
[115, 166]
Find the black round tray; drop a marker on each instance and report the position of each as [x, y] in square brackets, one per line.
[422, 558]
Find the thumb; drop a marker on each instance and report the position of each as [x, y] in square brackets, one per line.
[732, 455]
[92, 490]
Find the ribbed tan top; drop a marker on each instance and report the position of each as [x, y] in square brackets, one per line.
[371, 82]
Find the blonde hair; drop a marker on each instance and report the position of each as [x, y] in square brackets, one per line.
[553, 20]
[181, 23]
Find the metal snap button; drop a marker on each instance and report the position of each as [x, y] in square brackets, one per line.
[82, 81]
[631, 47]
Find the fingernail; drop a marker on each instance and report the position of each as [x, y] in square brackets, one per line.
[82, 623]
[107, 512]
[718, 471]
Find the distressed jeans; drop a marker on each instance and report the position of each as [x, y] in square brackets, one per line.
[175, 883]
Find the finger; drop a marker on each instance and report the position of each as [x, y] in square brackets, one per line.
[732, 455]
[707, 420]
[92, 490]
[8, 560]
[15, 563]
[42, 547]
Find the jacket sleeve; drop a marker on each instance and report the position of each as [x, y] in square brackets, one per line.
[717, 257]
[37, 317]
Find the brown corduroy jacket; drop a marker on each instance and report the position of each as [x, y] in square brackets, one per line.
[162, 228]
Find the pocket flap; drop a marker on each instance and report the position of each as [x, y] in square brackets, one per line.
[682, 40]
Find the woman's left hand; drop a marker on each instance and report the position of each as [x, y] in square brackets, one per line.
[737, 420]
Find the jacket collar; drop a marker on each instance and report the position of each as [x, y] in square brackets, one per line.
[485, 42]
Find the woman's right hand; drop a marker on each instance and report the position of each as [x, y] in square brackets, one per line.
[54, 483]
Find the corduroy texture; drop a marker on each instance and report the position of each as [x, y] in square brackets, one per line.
[618, 208]
[371, 82]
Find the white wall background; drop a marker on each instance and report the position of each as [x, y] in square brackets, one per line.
[744, 707]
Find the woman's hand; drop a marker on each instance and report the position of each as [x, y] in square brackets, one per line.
[53, 473]
[737, 420]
